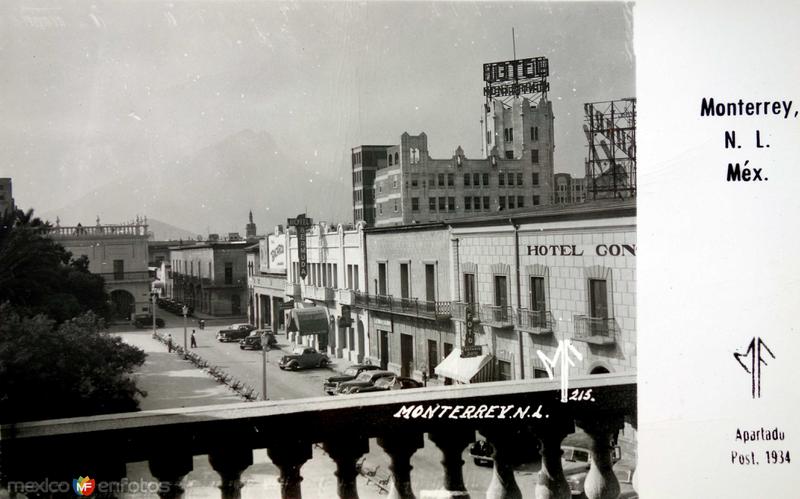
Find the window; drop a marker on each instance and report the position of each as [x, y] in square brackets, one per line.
[382, 278]
[504, 370]
[511, 202]
[432, 204]
[598, 298]
[501, 179]
[441, 180]
[414, 182]
[535, 178]
[486, 203]
[451, 204]
[501, 202]
[520, 201]
[349, 281]
[486, 180]
[405, 284]
[467, 203]
[535, 200]
[534, 133]
[394, 182]
[397, 158]
[476, 201]
[510, 179]
[433, 358]
[355, 277]
[476, 179]
[540, 373]
[519, 179]
[509, 154]
[380, 209]
[534, 155]
[537, 300]
[450, 179]
[119, 270]
[390, 160]
[442, 205]
[466, 179]
[395, 206]
[469, 289]
[508, 134]
[500, 291]
[414, 204]
[228, 273]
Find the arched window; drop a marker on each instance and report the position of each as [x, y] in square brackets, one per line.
[397, 158]
[390, 160]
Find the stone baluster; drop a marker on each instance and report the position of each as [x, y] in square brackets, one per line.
[289, 457]
[601, 482]
[230, 463]
[552, 483]
[345, 453]
[400, 447]
[452, 444]
[512, 447]
[169, 468]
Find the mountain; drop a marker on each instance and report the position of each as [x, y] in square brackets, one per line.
[163, 231]
[214, 189]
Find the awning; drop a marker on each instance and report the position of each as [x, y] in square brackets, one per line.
[466, 369]
[313, 320]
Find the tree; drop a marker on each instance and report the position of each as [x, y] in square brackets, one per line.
[54, 371]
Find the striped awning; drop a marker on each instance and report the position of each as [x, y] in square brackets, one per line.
[465, 369]
[312, 320]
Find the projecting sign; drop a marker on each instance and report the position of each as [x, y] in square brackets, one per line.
[469, 349]
[301, 223]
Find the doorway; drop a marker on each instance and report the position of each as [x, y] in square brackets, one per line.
[406, 354]
[384, 349]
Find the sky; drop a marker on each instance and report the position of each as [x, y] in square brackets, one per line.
[93, 91]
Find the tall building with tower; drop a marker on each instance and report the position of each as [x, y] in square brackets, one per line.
[366, 161]
[250, 229]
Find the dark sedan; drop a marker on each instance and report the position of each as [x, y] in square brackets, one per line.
[331, 384]
[383, 384]
[366, 378]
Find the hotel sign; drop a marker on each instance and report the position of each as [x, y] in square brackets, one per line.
[301, 223]
[515, 77]
[574, 250]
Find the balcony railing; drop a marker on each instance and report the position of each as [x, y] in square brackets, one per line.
[56, 451]
[533, 321]
[596, 330]
[436, 310]
[490, 315]
[293, 289]
[143, 275]
[346, 296]
[91, 231]
[319, 293]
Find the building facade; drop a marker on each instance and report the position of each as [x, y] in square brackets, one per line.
[516, 173]
[6, 195]
[335, 273]
[120, 254]
[266, 281]
[211, 277]
[366, 160]
[568, 189]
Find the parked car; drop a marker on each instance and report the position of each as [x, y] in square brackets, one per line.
[227, 335]
[303, 357]
[364, 379]
[146, 320]
[242, 325]
[330, 385]
[387, 383]
[253, 341]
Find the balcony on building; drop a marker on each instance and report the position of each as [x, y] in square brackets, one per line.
[499, 316]
[410, 307]
[346, 296]
[293, 289]
[533, 321]
[347, 427]
[319, 293]
[98, 231]
[127, 276]
[596, 330]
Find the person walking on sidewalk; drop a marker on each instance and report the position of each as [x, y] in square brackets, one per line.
[169, 342]
[194, 340]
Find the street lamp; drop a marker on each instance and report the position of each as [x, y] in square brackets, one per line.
[264, 344]
[185, 312]
[155, 291]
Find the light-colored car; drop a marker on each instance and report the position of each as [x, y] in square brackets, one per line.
[303, 357]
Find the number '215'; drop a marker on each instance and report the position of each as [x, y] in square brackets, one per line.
[582, 395]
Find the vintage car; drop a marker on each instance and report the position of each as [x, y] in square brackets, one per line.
[227, 335]
[253, 341]
[146, 320]
[366, 378]
[330, 385]
[383, 384]
[303, 357]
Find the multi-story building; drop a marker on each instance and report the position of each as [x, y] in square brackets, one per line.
[366, 160]
[6, 195]
[517, 173]
[266, 281]
[117, 252]
[559, 273]
[408, 300]
[211, 276]
[324, 315]
[568, 189]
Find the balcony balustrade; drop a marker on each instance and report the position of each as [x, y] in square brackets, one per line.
[491, 315]
[533, 321]
[143, 275]
[596, 330]
[293, 289]
[519, 418]
[97, 231]
[346, 296]
[412, 307]
[319, 293]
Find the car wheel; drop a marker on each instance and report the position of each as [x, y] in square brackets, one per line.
[323, 363]
[293, 366]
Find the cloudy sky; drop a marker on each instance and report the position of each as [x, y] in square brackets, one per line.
[91, 91]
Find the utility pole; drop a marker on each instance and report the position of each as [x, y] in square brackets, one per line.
[153, 311]
[264, 346]
[185, 312]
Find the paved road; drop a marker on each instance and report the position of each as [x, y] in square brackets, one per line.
[246, 365]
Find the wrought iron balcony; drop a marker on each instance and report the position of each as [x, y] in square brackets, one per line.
[596, 330]
[533, 321]
[413, 307]
[490, 315]
[519, 419]
[319, 293]
[293, 289]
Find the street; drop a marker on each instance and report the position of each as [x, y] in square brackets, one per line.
[261, 477]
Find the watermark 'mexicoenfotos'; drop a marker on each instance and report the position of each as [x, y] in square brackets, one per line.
[86, 486]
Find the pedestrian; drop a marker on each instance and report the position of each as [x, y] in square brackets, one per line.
[194, 340]
[169, 342]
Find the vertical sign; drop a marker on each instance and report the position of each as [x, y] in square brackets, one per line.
[469, 349]
[301, 223]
